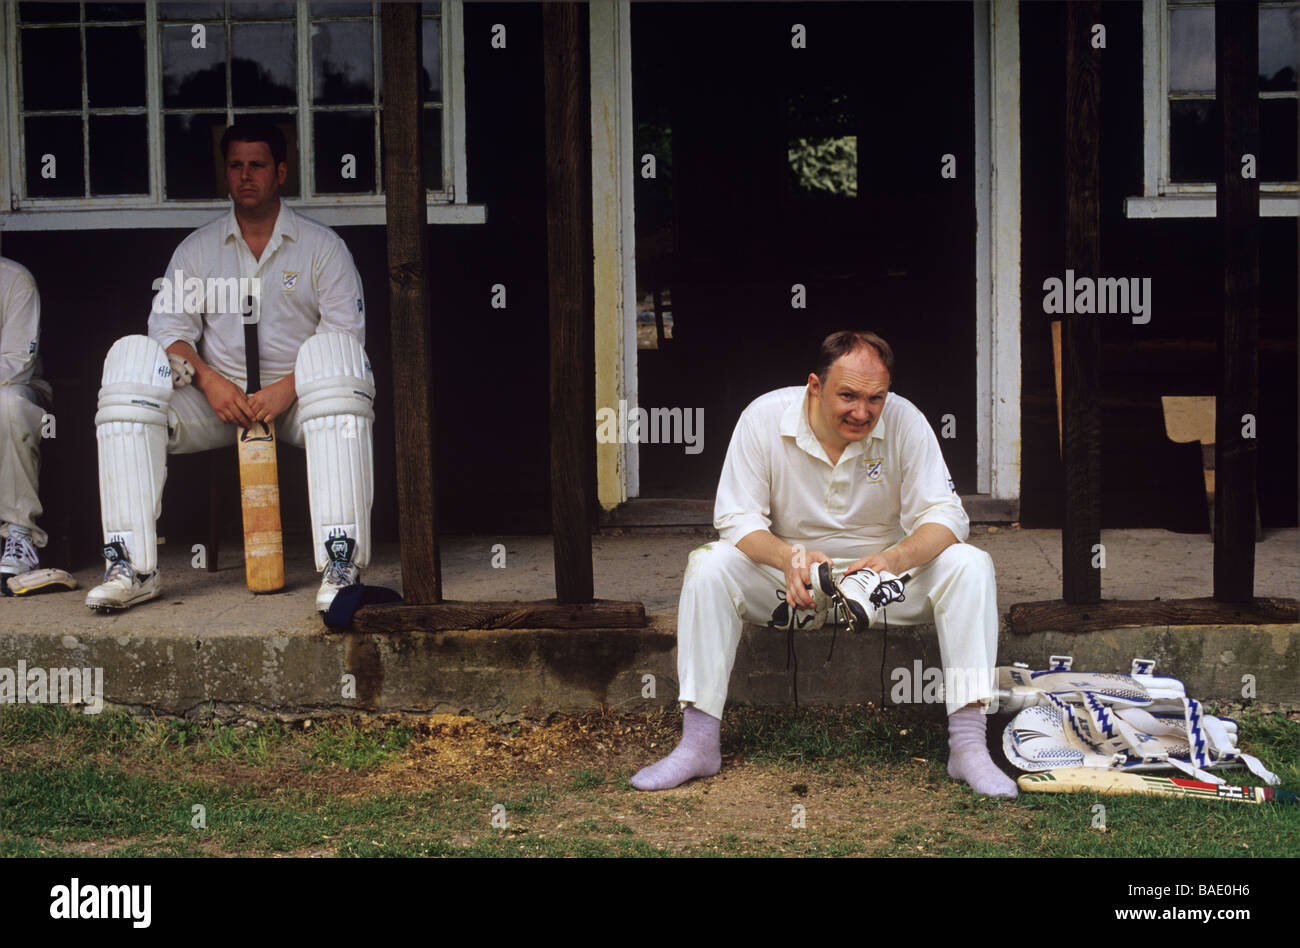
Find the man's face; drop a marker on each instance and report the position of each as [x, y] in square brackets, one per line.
[848, 406]
[253, 177]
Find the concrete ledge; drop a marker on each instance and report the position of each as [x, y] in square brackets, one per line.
[507, 674]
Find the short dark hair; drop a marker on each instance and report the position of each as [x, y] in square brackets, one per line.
[256, 130]
[841, 343]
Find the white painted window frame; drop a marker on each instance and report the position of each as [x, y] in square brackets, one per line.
[449, 206]
[1162, 198]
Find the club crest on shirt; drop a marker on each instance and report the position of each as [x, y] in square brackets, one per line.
[875, 469]
[288, 280]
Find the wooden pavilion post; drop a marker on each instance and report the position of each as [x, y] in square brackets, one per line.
[1236, 30]
[570, 266]
[1080, 334]
[405, 202]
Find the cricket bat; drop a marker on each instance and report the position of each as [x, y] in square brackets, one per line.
[1115, 782]
[259, 489]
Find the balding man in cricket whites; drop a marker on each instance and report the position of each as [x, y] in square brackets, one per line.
[830, 493]
[24, 396]
[182, 388]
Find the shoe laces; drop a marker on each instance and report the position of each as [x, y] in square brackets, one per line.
[120, 569]
[338, 573]
[19, 547]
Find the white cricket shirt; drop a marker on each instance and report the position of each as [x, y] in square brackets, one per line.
[307, 284]
[777, 477]
[20, 327]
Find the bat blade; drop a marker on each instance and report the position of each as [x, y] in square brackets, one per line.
[259, 486]
[1114, 782]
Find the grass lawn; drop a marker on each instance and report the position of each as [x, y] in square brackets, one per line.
[856, 781]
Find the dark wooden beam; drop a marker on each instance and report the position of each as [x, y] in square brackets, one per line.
[570, 264]
[1081, 334]
[405, 202]
[1236, 40]
[1055, 615]
[547, 614]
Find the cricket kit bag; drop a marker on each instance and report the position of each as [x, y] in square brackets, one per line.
[1133, 722]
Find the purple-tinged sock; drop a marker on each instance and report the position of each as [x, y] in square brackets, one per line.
[697, 754]
[968, 755]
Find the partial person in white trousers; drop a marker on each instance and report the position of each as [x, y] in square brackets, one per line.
[304, 292]
[24, 399]
[846, 473]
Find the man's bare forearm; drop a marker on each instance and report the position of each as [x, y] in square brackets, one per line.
[925, 543]
[763, 546]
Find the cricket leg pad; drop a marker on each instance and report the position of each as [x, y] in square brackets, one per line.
[131, 428]
[336, 410]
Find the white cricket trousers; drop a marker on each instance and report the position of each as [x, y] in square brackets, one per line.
[723, 589]
[193, 425]
[21, 411]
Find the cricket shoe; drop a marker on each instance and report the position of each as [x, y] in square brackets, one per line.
[122, 587]
[340, 571]
[858, 595]
[19, 556]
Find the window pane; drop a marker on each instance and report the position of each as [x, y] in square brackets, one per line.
[340, 134]
[48, 13]
[1194, 141]
[114, 11]
[260, 9]
[1277, 45]
[824, 167]
[340, 8]
[263, 65]
[59, 136]
[1277, 140]
[432, 60]
[51, 69]
[431, 8]
[115, 63]
[119, 154]
[342, 64]
[1191, 50]
[433, 150]
[190, 11]
[193, 78]
[193, 157]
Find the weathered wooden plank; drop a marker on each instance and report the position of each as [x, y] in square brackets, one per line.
[1081, 334]
[404, 198]
[1236, 26]
[546, 614]
[1055, 615]
[570, 271]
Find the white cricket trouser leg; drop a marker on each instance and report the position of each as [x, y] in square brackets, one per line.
[20, 459]
[723, 589]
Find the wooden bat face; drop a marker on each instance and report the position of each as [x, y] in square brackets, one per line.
[259, 483]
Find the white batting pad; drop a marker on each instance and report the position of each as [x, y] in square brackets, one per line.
[131, 427]
[336, 409]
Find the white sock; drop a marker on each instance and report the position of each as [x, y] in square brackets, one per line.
[697, 754]
[968, 755]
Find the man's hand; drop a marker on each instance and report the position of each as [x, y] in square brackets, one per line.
[882, 562]
[274, 400]
[230, 404]
[798, 567]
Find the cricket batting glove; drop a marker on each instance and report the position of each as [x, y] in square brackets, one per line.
[182, 371]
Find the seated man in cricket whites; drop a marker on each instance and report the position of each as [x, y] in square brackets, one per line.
[829, 495]
[183, 388]
[24, 396]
